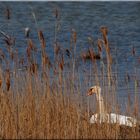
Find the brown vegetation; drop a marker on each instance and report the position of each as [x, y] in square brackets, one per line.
[32, 105]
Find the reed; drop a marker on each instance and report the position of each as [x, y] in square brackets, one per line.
[34, 106]
[104, 31]
[8, 13]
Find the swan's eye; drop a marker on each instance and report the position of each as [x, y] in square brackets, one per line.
[90, 90]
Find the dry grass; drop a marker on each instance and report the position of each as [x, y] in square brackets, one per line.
[32, 105]
[35, 115]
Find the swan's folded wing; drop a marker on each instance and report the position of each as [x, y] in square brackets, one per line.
[94, 118]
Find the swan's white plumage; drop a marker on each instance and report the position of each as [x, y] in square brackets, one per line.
[114, 119]
[103, 116]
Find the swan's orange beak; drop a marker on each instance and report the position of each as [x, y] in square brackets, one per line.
[90, 92]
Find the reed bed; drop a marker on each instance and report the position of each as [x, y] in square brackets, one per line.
[35, 106]
[35, 112]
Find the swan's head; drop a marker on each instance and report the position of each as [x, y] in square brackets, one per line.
[94, 90]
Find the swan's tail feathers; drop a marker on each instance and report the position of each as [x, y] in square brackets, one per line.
[131, 122]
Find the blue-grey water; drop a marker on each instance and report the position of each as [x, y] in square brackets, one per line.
[121, 18]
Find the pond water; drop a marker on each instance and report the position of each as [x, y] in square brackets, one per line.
[121, 18]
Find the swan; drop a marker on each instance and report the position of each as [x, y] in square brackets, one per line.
[103, 116]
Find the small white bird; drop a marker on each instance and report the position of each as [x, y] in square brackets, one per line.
[27, 31]
[103, 116]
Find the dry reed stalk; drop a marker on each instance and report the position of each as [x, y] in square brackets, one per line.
[46, 61]
[104, 31]
[42, 39]
[74, 38]
[0, 82]
[100, 44]
[10, 41]
[32, 64]
[92, 55]
[45, 58]
[31, 45]
[33, 68]
[56, 48]
[28, 51]
[57, 23]
[7, 79]
[60, 71]
[2, 55]
[8, 13]
[56, 13]
[61, 63]
[1, 78]
[57, 51]
[57, 28]
[136, 102]
[85, 56]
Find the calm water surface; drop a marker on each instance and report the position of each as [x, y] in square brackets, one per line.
[121, 18]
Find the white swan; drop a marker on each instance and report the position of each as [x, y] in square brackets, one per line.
[103, 116]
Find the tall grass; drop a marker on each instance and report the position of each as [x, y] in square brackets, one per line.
[32, 105]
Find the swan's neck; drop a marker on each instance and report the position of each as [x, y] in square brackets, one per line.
[101, 102]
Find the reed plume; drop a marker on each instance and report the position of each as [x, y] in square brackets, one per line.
[7, 79]
[8, 13]
[100, 44]
[42, 39]
[61, 62]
